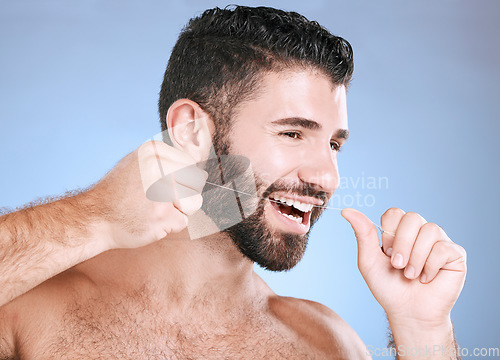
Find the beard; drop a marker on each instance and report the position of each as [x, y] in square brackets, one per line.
[270, 248]
[246, 223]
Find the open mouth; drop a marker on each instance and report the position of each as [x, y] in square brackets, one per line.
[294, 210]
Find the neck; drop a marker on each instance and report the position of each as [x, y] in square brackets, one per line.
[211, 263]
[182, 270]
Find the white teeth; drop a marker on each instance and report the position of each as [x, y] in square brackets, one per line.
[302, 206]
[296, 204]
[297, 219]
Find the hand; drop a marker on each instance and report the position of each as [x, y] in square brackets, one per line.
[137, 219]
[417, 275]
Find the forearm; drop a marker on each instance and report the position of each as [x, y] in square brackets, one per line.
[39, 242]
[416, 342]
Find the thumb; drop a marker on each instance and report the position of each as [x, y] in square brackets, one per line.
[369, 250]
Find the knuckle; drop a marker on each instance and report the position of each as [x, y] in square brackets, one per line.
[461, 250]
[415, 217]
[412, 214]
[394, 211]
[432, 228]
[162, 211]
[430, 267]
[441, 247]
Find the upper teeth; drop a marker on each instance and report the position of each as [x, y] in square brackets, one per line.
[295, 203]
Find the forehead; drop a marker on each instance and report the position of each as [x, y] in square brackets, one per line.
[306, 93]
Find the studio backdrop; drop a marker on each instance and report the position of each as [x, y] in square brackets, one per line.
[79, 84]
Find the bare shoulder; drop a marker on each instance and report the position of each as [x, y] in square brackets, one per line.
[320, 326]
[7, 338]
[30, 317]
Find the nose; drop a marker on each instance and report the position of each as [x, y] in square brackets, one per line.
[320, 169]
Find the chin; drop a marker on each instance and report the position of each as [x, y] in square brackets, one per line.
[272, 250]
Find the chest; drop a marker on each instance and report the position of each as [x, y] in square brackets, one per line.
[127, 330]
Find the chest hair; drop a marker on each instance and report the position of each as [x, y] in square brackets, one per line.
[133, 327]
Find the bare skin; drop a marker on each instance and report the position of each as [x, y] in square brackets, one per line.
[182, 307]
[155, 293]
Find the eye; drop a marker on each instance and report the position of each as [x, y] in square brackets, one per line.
[335, 146]
[292, 134]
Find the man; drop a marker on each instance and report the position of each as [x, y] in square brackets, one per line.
[113, 272]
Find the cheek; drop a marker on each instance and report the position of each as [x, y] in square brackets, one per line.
[275, 163]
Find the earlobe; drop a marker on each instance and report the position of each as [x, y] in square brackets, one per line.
[190, 128]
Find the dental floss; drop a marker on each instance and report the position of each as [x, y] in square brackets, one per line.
[244, 193]
[318, 206]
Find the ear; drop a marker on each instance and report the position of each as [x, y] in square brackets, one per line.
[190, 128]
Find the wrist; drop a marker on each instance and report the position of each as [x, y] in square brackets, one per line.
[409, 325]
[98, 227]
[423, 340]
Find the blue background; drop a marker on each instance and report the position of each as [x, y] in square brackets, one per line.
[79, 82]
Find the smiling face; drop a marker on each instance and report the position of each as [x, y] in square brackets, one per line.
[291, 132]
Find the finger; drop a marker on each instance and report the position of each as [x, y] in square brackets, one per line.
[427, 236]
[166, 220]
[160, 149]
[189, 205]
[167, 189]
[405, 237]
[176, 223]
[180, 225]
[389, 222]
[182, 166]
[157, 159]
[160, 169]
[191, 177]
[370, 254]
[444, 255]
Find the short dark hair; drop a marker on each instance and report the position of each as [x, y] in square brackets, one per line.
[220, 55]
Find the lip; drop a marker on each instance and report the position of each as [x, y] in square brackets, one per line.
[287, 224]
[302, 199]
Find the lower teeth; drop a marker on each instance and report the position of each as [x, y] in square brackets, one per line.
[291, 217]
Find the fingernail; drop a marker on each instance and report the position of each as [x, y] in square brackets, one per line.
[389, 252]
[410, 272]
[423, 278]
[397, 260]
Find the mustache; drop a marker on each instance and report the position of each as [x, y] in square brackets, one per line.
[301, 189]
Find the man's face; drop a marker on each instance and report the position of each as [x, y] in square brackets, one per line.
[291, 133]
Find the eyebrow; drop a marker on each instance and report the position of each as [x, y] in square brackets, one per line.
[310, 125]
[298, 121]
[342, 134]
